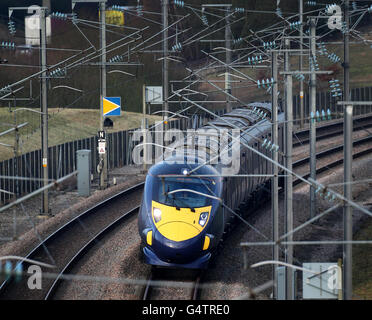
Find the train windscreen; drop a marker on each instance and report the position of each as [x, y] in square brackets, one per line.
[184, 199]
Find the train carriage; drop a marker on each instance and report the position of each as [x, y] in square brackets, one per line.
[186, 205]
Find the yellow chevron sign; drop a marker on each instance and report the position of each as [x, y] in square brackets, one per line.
[111, 106]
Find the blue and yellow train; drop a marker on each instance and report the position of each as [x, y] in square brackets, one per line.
[186, 206]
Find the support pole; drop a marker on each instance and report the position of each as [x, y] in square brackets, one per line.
[348, 158]
[144, 128]
[312, 122]
[289, 179]
[301, 7]
[44, 109]
[228, 59]
[103, 157]
[16, 166]
[274, 180]
[165, 6]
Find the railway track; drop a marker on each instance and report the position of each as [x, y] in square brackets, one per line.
[78, 256]
[162, 283]
[70, 242]
[362, 147]
[86, 230]
[330, 130]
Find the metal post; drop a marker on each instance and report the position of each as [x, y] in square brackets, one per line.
[288, 179]
[274, 180]
[301, 5]
[144, 128]
[228, 59]
[103, 157]
[348, 160]
[44, 107]
[165, 6]
[16, 148]
[312, 122]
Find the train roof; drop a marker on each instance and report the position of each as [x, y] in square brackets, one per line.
[264, 105]
[178, 163]
[242, 117]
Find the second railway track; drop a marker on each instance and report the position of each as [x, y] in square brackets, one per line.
[81, 253]
[332, 129]
[334, 156]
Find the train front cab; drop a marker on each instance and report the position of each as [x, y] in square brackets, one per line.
[183, 228]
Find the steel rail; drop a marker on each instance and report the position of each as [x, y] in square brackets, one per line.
[147, 289]
[332, 129]
[195, 294]
[196, 284]
[93, 241]
[335, 163]
[338, 148]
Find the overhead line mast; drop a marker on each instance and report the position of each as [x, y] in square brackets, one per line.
[44, 109]
[165, 7]
[348, 156]
[103, 86]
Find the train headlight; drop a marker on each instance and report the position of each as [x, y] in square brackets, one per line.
[157, 215]
[203, 218]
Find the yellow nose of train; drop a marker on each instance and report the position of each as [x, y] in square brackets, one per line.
[179, 224]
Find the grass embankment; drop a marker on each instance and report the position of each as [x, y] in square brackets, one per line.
[64, 125]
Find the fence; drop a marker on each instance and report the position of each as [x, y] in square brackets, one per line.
[324, 100]
[62, 158]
